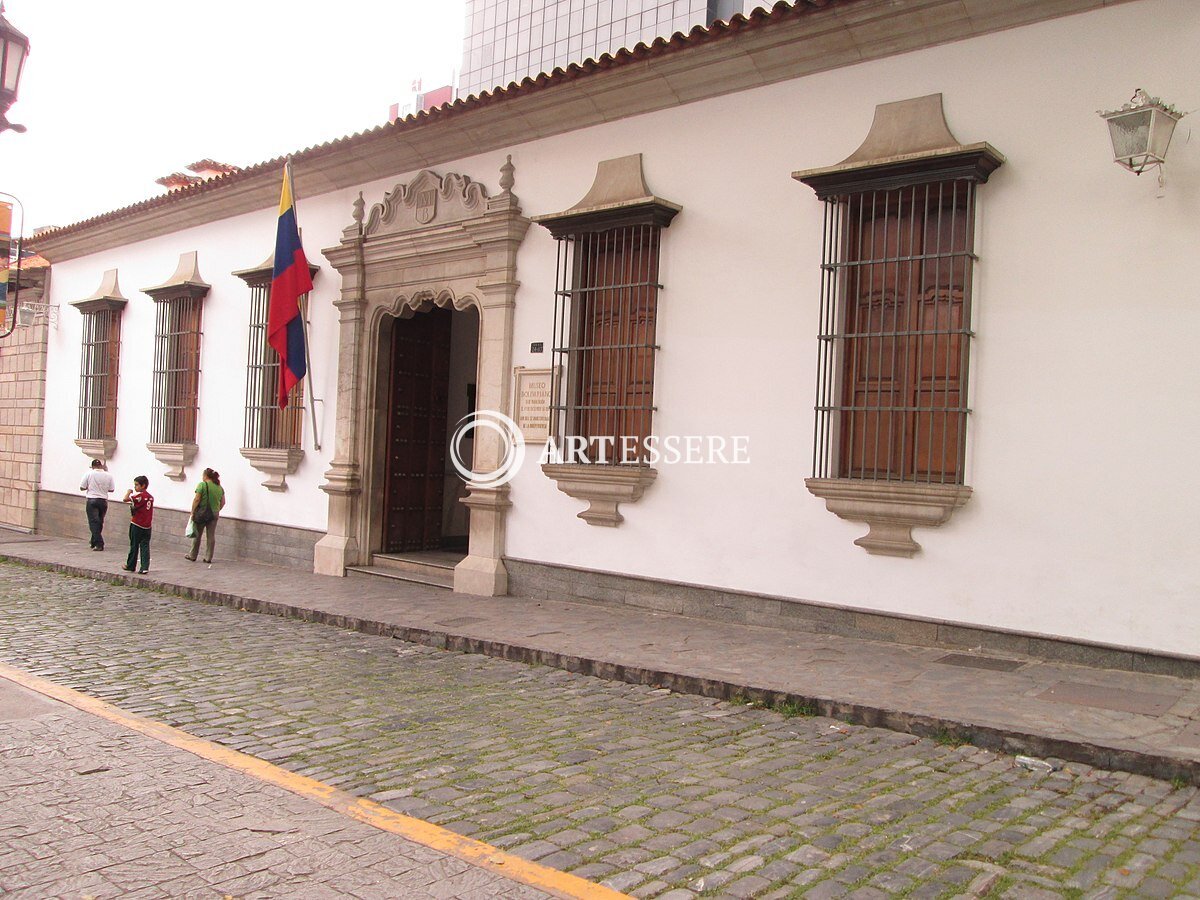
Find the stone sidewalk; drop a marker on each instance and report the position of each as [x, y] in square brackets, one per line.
[93, 809]
[1130, 721]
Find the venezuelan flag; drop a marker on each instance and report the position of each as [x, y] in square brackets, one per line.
[290, 280]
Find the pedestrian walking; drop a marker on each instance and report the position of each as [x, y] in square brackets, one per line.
[96, 485]
[207, 504]
[141, 512]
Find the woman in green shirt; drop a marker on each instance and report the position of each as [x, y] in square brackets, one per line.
[211, 496]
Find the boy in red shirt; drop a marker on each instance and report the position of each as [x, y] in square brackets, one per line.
[141, 508]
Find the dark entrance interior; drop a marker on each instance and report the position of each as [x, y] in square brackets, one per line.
[417, 410]
[426, 385]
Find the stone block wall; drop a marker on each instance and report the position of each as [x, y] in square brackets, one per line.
[543, 581]
[62, 515]
[22, 398]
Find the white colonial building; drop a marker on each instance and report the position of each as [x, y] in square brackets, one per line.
[880, 247]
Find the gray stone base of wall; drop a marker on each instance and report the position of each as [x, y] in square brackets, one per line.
[62, 515]
[544, 581]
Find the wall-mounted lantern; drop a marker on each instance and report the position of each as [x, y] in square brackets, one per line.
[14, 47]
[29, 312]
[1141, 131]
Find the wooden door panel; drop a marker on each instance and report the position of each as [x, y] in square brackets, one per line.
[617, 317]
[947, 236]
[936, 432]
[940, 353]
[904, 350]
[416, 456]
[875, 430]
[878, 360]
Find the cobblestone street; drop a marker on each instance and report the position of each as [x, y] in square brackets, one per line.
[93, 809]
[650, 792]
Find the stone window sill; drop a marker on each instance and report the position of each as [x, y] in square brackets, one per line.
[176, 457]
[891, 509]
[98, 448]
[604, 488]
[274, 462]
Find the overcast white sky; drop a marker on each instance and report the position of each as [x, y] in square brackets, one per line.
[117, 93]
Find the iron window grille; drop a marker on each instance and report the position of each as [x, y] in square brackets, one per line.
[605, 312]
[176, 379]
[894, 337]
[266, 425]
[98, 375]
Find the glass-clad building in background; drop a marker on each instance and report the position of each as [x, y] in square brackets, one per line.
[509, 40]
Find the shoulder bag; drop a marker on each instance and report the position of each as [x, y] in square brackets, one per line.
[203, 513]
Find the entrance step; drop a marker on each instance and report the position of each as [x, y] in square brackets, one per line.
[434, 568]
[425, 561]
[438, 580]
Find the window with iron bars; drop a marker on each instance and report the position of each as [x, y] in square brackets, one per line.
[267, 426]
[606, 306]
[895, 333]
[176, 380]
[98, 373]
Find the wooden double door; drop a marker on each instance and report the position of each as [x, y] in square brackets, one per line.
[417, 395]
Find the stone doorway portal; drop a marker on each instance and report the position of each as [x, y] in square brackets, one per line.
[433, 243]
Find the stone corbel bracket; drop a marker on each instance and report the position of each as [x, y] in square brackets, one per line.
[101, 449]
[891, 509]
[604, 488]
[275, 462]
[176, 457]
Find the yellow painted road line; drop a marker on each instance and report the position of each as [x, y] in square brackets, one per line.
[552, 881]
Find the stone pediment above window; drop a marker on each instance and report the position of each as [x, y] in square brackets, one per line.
[261, 274]
[909, 143]
[107, 297]
[619, 196]
[186, 282]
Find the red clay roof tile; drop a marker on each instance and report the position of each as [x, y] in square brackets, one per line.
[700, 35]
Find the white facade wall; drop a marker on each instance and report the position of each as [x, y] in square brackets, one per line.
[1083, 385]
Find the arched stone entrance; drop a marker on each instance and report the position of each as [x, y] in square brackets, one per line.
[436, 241]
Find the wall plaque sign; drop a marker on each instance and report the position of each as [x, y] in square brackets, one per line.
[533, 403]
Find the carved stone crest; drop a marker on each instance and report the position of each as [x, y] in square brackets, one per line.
[427, 197]
[426, 205]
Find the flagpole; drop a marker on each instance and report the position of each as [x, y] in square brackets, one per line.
[312, 400]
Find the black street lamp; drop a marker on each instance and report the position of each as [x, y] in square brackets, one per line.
[14, 47]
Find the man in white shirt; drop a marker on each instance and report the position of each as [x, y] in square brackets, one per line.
[97, 484]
